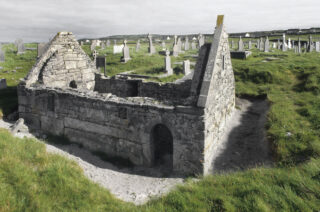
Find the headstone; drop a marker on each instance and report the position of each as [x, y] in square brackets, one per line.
[299, 45]
[93, 45]
[101, 63]
[138, 46]
[266, 45]
[20, 46]
[126, 54]
[2, 59]
[193, 45]
[258, 44]
[179, 44]
[261, 44]
[151, 48]
[167, 61]
[175, 51]
[250, 45]
[186, 67]
[232, 44]
[114, 42]
[284, 45]
[200, 40]
[117, 49]
[289, 43]
[81, 43]
[108, 43]
[310, 46]
[293, 44]
[163, 45]
[317, 46]
[103, 45]
[279, 44]
[274, 45]
[240, 45]
[186, 45]
[305, 46]
[41, 48]
[3, 84]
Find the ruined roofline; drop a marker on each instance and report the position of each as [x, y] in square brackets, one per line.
[53, 46]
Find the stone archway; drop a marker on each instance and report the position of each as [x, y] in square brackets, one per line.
[162, 142]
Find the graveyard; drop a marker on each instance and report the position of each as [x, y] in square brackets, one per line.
[287, 80]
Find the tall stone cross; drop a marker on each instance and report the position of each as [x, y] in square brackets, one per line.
[151, 47]
[167, 61]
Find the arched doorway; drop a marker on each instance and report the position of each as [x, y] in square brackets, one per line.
[162, 146]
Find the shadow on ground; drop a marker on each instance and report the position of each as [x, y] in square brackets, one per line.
[244, 144]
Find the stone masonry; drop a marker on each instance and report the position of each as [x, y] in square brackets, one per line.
[178, 125]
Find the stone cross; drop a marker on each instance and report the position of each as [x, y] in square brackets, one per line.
[186, 67]
[175, 51]
[240, 45]
[151, 48]
[310, 46]
[167, 62]
[126, 54]
[186, 45]
[266, 45]
[138, 46]
[284, 45]
[179, 44]
[2, 59]
[200, 40]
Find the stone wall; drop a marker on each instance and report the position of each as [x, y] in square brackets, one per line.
[174, 93]
[115, 126]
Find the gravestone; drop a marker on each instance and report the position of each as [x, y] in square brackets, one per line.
[179, 44]
[232, 44]
[186, 67]
[101, 63]
[261, 44]
[240, 45]
[81, 43]
[266, 45]
[305, 46]
[103, 45]
[289, 43]
[167, 62]
[317, 46]
[108, 43]
[193, 45]
[284, 45]
[274, 45]
[250, 45]
[163, 45]
[41, 48]
[299, 45]
[293, 44]
[117, 49]
[310, 46]
[93, 45]
[126, 54]
[151, 48]
[279, 44]
[258, 44]
[138, 46]
[3, 84]
[175, 51]
[114, 42]
[186, 45]
[200, 40]
[2, 59]
[20, 46]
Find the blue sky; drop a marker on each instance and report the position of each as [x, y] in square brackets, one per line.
[40, 20]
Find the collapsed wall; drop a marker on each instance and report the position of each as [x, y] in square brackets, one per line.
[177, 125]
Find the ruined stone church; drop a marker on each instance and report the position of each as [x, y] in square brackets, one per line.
[178, 124]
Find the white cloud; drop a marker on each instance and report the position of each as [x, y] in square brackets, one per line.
[38, 20]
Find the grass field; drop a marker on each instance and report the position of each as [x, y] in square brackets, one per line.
[32, 180]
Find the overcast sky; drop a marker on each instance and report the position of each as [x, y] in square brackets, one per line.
[39, 20]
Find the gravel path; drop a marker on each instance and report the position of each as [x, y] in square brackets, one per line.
[242, 146]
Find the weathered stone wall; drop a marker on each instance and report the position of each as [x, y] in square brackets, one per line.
[217, 94]
[114, 125]
[63, 62]
[175, 93]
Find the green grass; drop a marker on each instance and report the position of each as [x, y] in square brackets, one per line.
[32, 180]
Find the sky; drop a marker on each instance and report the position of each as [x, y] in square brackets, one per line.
[40, 20]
